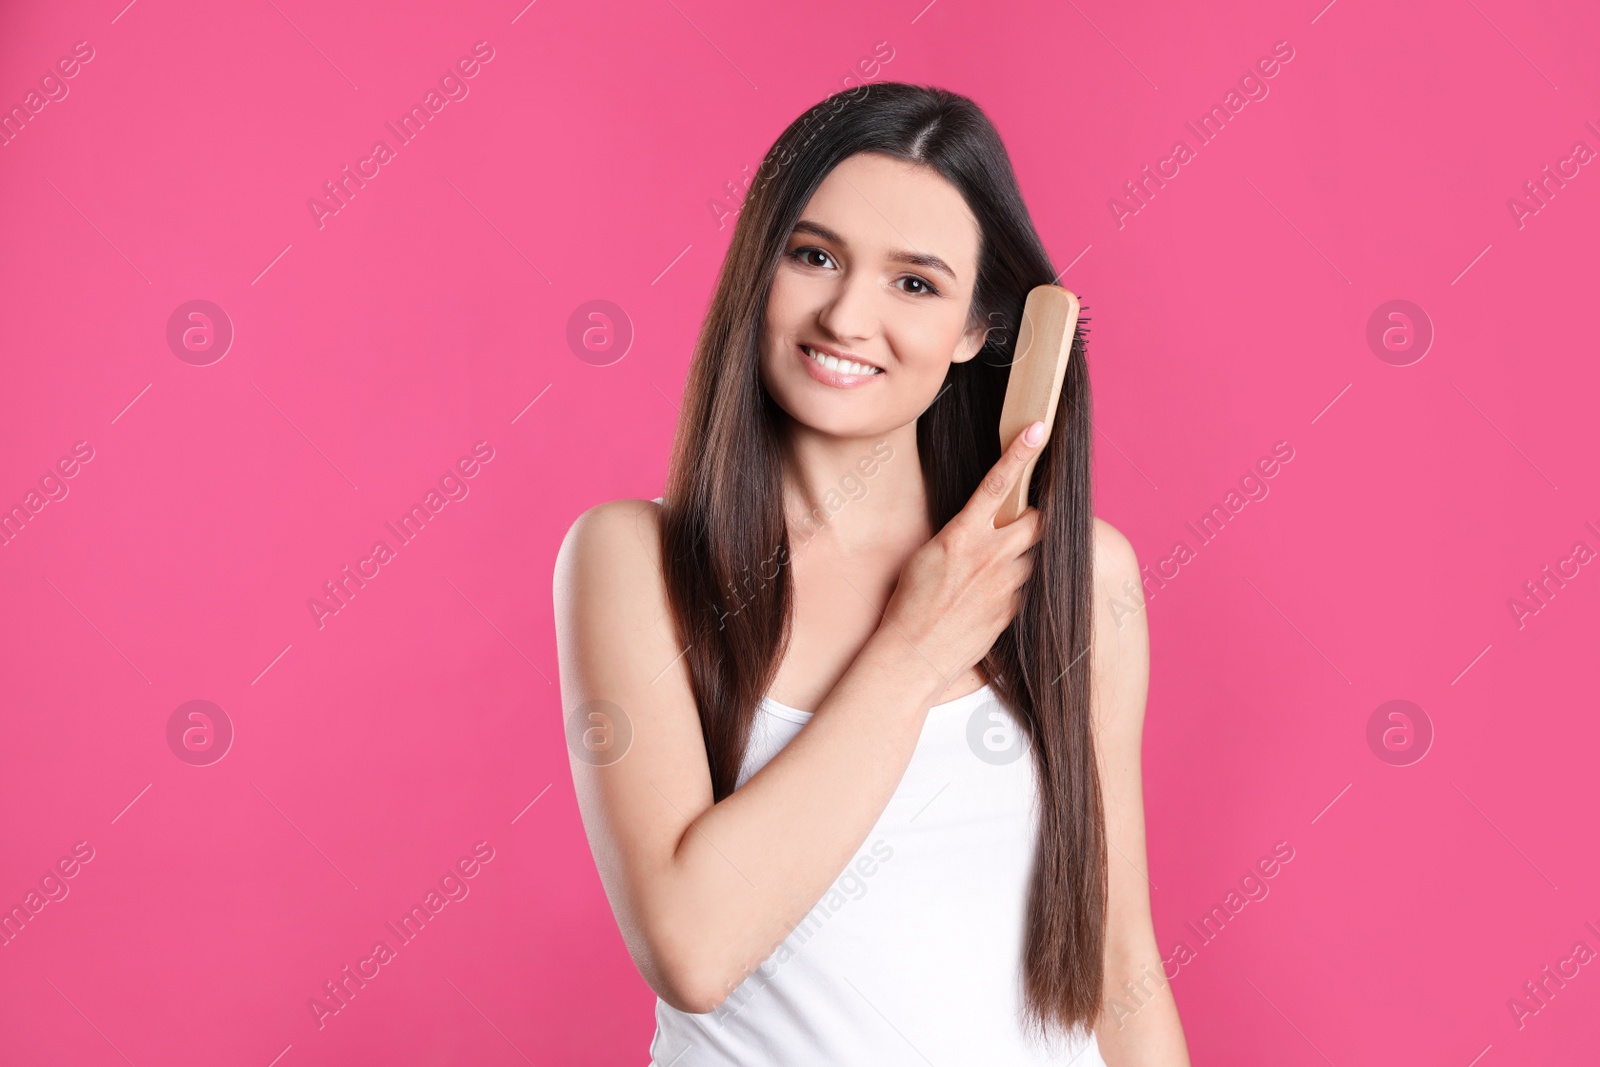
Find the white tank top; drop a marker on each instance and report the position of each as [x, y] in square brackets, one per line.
[914, 955]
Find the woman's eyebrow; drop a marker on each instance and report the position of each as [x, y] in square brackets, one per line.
[920, 259]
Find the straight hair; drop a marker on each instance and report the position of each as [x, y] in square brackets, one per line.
[725, 538]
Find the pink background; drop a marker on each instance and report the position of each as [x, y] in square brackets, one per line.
[370, 354]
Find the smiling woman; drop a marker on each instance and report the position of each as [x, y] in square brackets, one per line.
[912, 296]
[871, 295]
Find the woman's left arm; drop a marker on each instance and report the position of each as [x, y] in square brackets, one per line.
[1138, 1025]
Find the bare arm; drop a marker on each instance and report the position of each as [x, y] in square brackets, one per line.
[704, 892]
[1139, 1025]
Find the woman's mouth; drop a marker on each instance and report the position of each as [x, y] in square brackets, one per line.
[830, 370]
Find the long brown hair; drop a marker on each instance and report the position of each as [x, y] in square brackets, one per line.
[725, 537]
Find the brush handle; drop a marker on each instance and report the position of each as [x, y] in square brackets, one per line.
[1038, 369]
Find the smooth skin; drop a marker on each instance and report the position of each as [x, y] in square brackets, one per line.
[890, 618]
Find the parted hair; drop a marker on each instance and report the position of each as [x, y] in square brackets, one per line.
[723, 521]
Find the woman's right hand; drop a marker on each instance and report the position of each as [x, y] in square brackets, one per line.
[958, 592]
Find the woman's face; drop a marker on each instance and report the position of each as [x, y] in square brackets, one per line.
[879, 271]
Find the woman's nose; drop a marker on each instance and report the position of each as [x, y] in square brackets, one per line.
[850, 314]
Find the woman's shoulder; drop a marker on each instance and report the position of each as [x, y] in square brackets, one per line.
[616, 523]
[621, 538]
[1114, 558]
[1120, 666]
[612, 512]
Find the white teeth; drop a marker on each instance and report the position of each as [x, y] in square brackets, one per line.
[842, 366]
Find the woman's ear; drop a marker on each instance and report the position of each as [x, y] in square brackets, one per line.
[970, 344]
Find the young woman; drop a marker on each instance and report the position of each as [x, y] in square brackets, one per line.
[942, 861]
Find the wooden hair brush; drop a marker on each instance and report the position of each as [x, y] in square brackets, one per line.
[1039, 366]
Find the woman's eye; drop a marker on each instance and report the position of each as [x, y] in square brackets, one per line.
[812, 256]
[804, 252]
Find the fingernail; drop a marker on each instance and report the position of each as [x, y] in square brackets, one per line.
[1034, 434]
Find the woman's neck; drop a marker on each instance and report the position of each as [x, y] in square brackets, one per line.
[856, 493]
